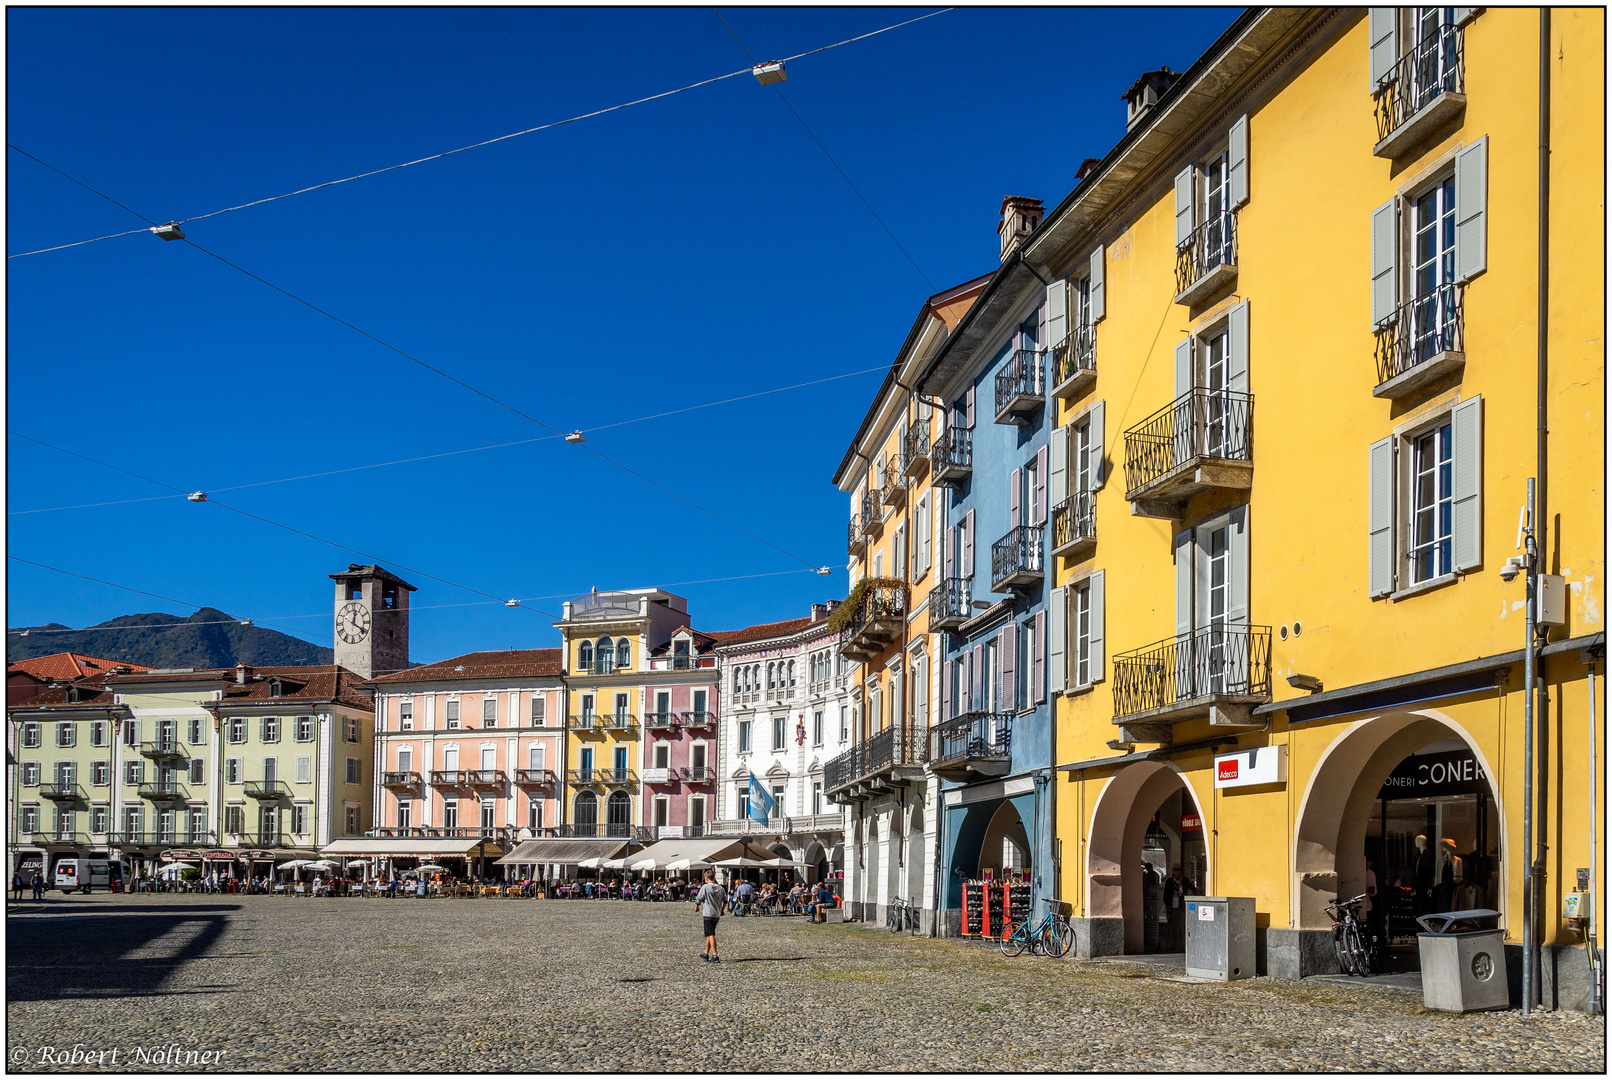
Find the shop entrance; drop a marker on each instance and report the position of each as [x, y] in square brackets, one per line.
[1146, 825]
[1005, 847]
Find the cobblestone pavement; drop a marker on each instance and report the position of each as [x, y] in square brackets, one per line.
[469, 985]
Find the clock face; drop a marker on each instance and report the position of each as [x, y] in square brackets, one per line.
[352, 623]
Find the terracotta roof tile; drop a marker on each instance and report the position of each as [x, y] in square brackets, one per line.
[69, 665]
[760, 630]
[502, 663]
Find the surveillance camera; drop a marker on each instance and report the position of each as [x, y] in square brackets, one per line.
[1510, 569]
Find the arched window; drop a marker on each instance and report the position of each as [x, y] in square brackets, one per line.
[587, 809]
[623, 655]
[771, 681]
[585, 655]
[606, 654]
[619, 810]
[736, 683]
[791, 673]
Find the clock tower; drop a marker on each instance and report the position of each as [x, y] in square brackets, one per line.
[372, 620]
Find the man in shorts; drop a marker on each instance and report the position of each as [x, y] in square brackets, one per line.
[712, 899]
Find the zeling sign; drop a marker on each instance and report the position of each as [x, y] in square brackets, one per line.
[1425, 776]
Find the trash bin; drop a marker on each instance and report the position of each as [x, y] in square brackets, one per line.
[1463, 963]
[1220, 937]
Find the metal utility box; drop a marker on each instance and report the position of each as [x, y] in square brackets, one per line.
[1463, 970]
[1220, 937]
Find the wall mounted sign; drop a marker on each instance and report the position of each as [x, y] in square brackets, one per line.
[1245, 768]
[1191, 826]
[1425, 776]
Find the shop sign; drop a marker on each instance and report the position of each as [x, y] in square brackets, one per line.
[1245, 768]
[1424, 776]
[1191, 826]
[228, 855]
[180, 853]
[257, 854]
[671, 832]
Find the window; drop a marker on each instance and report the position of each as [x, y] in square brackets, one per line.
[621, 705]
[269, 729]
[268, 824]
[299, 818]
[1083, 634]
[663, 756]
[100, 773]
[405, 759]
[404, 813]
[791, 673]
[817, 796]
[66, 773]
[198, 770]
[489, 712]
[621, 759]
[352, 770]
[66, 819]
[780, 737]
[1430, 505]
[271, 770]
[663, 704]
[534, 757]
[453, 714]
[405, 716]
[30, 736]
[1432, 269]
[584, 656]
[232, 770]
[97, 732]
[131, 733]
[235, 819]
[539, 708]
[699, 701]
[1435, 529]
[133, 820]
[100, 819]
[66, 733]
[30, 774]
[662, 811]
[305, 729]
[898, 552]
[354, 730]
[197, 733]
[587, 706]
[777, 802]
[304, 769]
[350, 821]
[450, 813]
[534, 813]
[696, 811]
[817, 728]
[744, 737]
[623, 655]
[236, 729]
[134, 772]
[845, 723]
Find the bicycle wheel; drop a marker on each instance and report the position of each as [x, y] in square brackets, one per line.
[1346, 959]
[1058, 937]
[1355, 939]
[1015, 940]
[895, 921]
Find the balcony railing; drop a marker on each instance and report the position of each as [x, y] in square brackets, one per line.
[699, 719]
[1425, 89]
[585, 776]
[534, 777]
[854, 538]
[697, 774]
[582, 721]
[875, 623]
[971, 746]
[1215, 670]
[162, 749]
[54, 836]
[256, 838]
[616, 777]
[620, 721]
[681, 663]
[502, 833]
[915, 450]
[598, 830]
[1021, 387]
[602, 665]
[662, 721]
[267, 789]
[1016, 559]
[950, 603]
[872, 515]
[486, 779]
[61, 792]
[1206, 262]
[952, 456]
[1203, 439]
[449, 778]
[400, 779]
[1074, 362]
[167, 790]
[877, 760]
[1425, 339]
[1074, 524]
[894, 492]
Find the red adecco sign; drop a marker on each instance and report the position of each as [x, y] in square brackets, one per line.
[1246, 768]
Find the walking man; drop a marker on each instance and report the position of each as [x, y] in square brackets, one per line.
[712, 899]
[39, 885]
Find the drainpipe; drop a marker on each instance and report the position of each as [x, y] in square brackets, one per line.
[1597, 1006]
[1529, 916]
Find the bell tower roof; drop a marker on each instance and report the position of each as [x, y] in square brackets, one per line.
[354, 571]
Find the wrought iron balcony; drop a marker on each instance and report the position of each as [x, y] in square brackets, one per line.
[974, 746]
[1202, 440]
[1016, 559]
[1220, 672]
[582, 721]
[1074, 363]
[697, 774]
[892, 758]
[915, 450]
[1021, 387]
[55, 836]
[1424, 340]
[950, 603]
[1074, 525]
[894, 493]
[400, 779]
[162, 750]
[257, 838]
[616, 777]
[167, 791]
[620, 721]
[872, 515]
[855, 540]
[1425, 91]
[1206, 262]
[952, 456]
[267, 789]
[602, 665]
[876, 622]
[486, 779]
[598, 830]
[61, 792]
[696, 720]
[662, 721]
[681, 663]
[534, 778]
[449, 778]
[585, 776]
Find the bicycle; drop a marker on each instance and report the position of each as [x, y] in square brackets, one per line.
[901, 916]
[1354, 945]
[1053, 936]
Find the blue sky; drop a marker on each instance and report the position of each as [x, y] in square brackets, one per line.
[687, 250]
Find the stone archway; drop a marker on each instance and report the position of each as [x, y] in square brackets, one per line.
[1119, 822]
[1005, 826]
[870, 869]
[914, 890]
[1329, 842]
[816, 860]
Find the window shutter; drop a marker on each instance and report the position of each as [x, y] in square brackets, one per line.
[1058, 609]
[1237, 567]
[1237, 162]
[1015, 481]
[1183, 206]
[1464, 15]
[1385, 261]
[1095, 618]
[1380, 519]
[968, 408]
[1471, 217]
[976, 694]
[1095, 448]
[947, 548]
[1038, 669]
[263, 729]
[1184, 379]
[1098, 294]
[1007, 667]
[968, 545]
[1183, 583]
[1057, 311]
[1058, 467]
[1040, 487]
[1383, 24]
[1466, 484]
[945, 689]
[1237, 349]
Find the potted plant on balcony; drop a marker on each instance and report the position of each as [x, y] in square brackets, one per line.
[848, 612]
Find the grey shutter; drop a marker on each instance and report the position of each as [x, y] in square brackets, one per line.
[1095, 635]
[1058, 613]
[1095, 448]
[968, 545]
[1237, 567]
[1183, 583]
[1007, 644]
[1384, 37]
[1183, 205]
[1237, 162]
[1058, 468]
[1471, 217]
[945, 689]
[1184, 378]
[1057, 311]
[968, 408]
[1038, 667]
[1464, 15]
[1015, 482]
[1384, 262]
[1237, 349]
[1466, 484]
[948, 548]
[1380, 519]
[1098, 295]
[1038, 497]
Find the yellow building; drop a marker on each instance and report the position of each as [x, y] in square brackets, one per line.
[1291, 647]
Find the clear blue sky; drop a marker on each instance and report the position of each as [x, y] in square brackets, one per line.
[691, 249]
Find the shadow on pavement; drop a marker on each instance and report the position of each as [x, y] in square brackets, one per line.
[94, 960]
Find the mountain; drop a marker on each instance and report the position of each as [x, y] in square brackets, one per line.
[207, 639]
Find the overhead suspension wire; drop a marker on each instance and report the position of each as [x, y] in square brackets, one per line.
[471, 146]
[101, 581]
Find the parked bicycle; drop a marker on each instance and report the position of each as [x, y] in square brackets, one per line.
[1356, 947]
[1052, 936]
[902, 916]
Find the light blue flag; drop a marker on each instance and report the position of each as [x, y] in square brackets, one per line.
[760, 802]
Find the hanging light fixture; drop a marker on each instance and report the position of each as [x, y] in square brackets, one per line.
[769, 73]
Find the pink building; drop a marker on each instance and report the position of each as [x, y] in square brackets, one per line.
[679, 734]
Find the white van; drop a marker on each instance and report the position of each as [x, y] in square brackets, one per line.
[86, 874]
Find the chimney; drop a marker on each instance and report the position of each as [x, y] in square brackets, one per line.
[832, 604]
[242, 672]
[819, 611]
[1020, 216]
[1145, 93]
[1087, 167]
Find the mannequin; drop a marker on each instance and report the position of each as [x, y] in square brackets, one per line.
[1450, 874]
[1424, 876]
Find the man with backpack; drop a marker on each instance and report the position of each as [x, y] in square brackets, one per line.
[712, 899]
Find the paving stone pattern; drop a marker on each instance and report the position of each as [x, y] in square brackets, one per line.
[477, 985]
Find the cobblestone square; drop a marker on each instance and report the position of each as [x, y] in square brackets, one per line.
[494, 985]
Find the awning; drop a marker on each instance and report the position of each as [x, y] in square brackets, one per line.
[404, 847]
[560, 851]
[702, 850]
